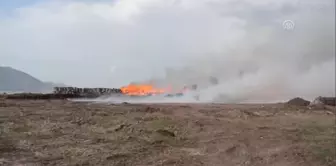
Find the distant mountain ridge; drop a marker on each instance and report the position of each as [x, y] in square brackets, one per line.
[13, 80]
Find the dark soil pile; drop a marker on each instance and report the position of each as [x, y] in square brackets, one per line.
[298, 102]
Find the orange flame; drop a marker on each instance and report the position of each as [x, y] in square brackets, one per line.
[141, 90]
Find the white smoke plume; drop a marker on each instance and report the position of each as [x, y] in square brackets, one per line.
[269, 63]
[176, 42]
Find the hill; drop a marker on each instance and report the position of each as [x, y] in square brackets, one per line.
[12, 80]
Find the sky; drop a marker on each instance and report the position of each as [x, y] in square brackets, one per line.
[9, 5]
[110, 43]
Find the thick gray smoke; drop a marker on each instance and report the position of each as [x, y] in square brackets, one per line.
[268, 63]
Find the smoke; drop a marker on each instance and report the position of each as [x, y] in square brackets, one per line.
[242, 43]
[268, 63]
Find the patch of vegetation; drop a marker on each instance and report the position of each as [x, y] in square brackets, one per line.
[320, 137]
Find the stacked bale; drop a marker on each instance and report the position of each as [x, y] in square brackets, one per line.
[321, 102]
[328, 100]
[86, 92]
[40, 96]
[64, 93]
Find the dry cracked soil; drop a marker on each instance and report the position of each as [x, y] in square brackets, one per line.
[60, 132]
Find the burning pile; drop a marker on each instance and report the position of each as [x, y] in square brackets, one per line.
[132, 90]
[129, 90]
[150, 90]
[142, 90]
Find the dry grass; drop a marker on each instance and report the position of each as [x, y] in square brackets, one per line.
[320, 138]
[67, 133]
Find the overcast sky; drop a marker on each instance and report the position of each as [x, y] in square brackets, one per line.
[110, 43]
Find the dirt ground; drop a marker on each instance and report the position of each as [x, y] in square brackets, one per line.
[60, 133]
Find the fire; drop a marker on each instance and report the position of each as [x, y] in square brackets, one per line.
[141, 90]
[148, 89]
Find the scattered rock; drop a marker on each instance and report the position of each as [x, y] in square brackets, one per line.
[117, 156]
[120, 127]
[329, 113]
[157, 142]
[166, 133]
[298, 102]
[152, 109]
[231, 149]
[193, 151]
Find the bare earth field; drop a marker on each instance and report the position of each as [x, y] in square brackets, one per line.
[61, 132]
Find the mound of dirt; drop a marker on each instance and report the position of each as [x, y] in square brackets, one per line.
[298, 102]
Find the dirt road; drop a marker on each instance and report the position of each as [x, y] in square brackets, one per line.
[69, 133]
